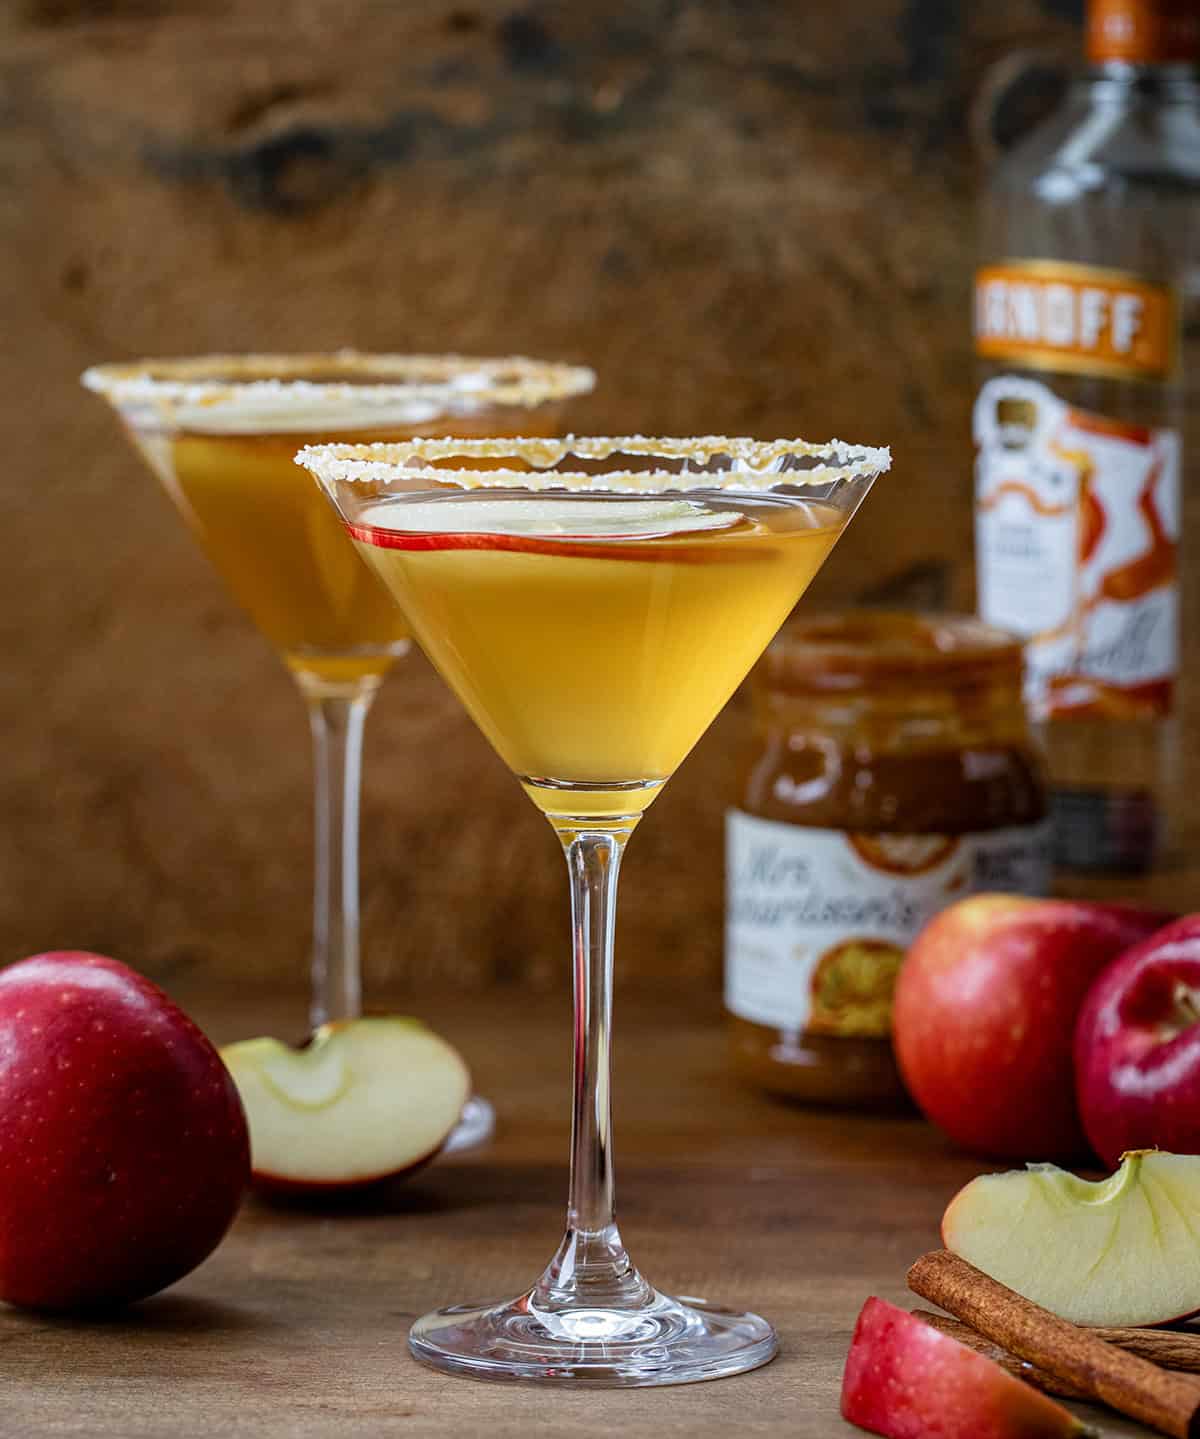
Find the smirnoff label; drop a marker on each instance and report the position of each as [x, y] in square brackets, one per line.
[1077, 520]
[1082, 319]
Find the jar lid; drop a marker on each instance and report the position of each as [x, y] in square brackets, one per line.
[855, 650]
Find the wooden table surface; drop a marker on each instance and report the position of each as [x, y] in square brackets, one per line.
[296, 1326]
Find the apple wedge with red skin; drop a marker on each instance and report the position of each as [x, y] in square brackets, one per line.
[615, 547]
[905, 1380]
[365, 1100]
[1137, 1047]
[1119, 1251]
[984, 1017]
[125, 1151]
[634, 530]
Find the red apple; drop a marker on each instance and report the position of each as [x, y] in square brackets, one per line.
[1137, 1047]
[125, 1148]
[906, 1380]
[985, 1012]
[363, 1101]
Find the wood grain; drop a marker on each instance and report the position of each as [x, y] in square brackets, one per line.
[748, 217]
[296, 1325]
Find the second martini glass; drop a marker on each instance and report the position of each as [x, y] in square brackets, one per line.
[594, 603]
[220, 432]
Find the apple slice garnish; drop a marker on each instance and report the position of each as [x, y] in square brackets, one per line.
[550, 517]
[1119, 1251]
[906, 1380]
[548, 524]
[364, 1100]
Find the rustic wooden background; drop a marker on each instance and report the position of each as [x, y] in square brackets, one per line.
[748, 215]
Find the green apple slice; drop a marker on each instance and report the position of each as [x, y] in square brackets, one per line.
[1119, 1251]
[552, 517]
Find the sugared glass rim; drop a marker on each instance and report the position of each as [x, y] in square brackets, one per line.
[706, 462]
[278, 382]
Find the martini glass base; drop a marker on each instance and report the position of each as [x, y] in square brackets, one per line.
[665, 1341]
[475, 1126]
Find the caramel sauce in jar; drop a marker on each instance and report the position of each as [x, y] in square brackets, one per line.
[892, 773]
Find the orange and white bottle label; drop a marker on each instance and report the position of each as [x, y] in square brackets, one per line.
[1076, 540]
[1049, 315]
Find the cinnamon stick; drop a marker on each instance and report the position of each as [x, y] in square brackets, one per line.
[1018, 1368]
[1167, 1348]
[1167, 1401]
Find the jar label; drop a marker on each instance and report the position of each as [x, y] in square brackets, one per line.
[1076, 538]
[818, 920]
[1051, 315]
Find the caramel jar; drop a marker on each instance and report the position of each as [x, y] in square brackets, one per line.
[892, 773]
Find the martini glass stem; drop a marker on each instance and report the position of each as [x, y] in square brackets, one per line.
[337, 731]
[591, 1268]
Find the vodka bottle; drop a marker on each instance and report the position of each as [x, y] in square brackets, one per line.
[1087, 332]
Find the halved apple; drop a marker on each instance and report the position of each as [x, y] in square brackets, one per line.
[363, 1100]
[906, 1380]
[1120, 1251]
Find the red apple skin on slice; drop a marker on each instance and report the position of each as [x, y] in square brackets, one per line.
[985, 1012]
[680, 549]
[125, 1149]
[905, 1380]
[1137, 1047]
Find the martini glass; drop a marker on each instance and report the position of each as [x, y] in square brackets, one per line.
[220, 432]
[594, 603]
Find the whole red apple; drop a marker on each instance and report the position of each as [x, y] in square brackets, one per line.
[985, 1012]
[125, 1148]
[1137, 1047]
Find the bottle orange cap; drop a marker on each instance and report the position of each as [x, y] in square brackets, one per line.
[1143, 32]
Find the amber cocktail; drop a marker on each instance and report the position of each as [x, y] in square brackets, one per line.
[221, 432]
[594, 603]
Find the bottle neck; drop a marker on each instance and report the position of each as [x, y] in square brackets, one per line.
[1121, 88]
[1124, 79]
[1143, 34]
